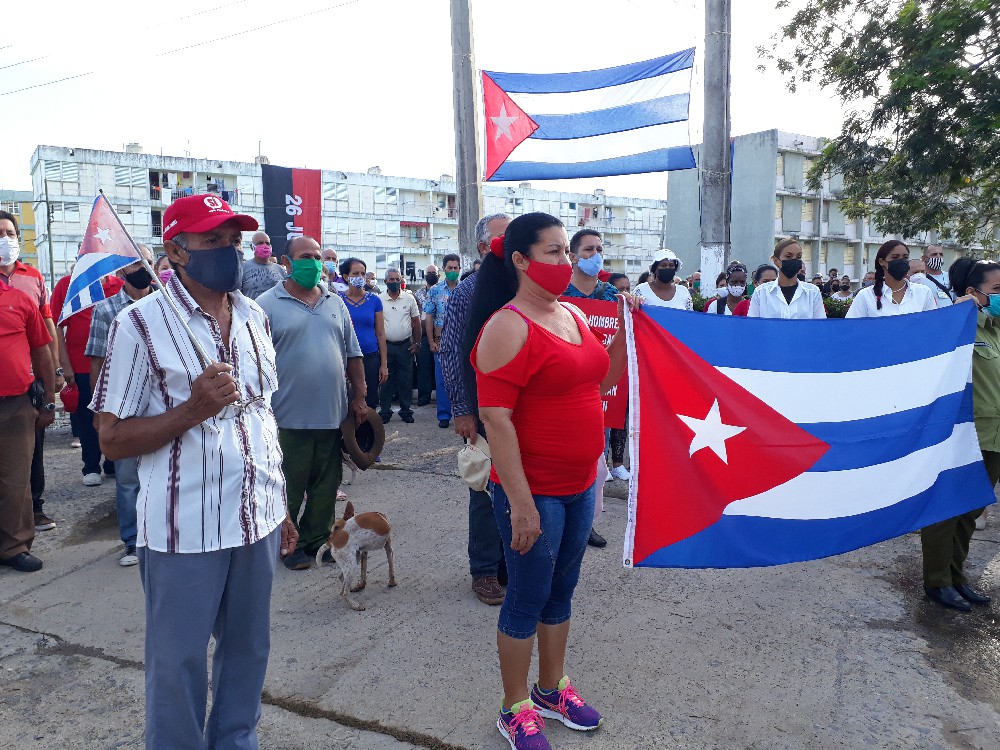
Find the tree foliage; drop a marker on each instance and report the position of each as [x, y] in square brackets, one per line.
[921, 82]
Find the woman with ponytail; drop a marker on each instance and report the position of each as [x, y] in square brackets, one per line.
[946, 544]
[891, 294]
[534, 358]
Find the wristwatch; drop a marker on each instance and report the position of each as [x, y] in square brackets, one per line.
[49, 407]
[59, 371]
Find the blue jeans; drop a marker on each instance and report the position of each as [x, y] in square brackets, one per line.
[126, 495]
[443, 402]
[540, 583]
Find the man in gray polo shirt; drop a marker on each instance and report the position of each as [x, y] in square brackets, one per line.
[315, 348]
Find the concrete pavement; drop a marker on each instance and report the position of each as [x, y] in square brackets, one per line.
[838, 653]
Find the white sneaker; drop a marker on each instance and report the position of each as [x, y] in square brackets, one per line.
[128, 558]
[981, 522]
[608, 477]
[75, 443]
[620, 472]
[91, 480]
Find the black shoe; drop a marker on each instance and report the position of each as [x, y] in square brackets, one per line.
[385, 419]
[408, 418]
[596, 540]
[971, 595]
[423, 402]
[444, 424]
[43, 522]
[947, 596]
[299, 560]
[24, 562]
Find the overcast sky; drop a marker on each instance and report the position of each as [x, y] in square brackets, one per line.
[336, 84]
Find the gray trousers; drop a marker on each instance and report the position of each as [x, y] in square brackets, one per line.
[190, 597]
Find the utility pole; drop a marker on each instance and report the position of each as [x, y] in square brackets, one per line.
[467, 185]
[48, 238]
[715, 164]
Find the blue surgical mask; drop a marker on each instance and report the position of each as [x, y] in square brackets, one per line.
[358, 282]
[330, 266]
[592, 265]
[993, 308]
[219, 269]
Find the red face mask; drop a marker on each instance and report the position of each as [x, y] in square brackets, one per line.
[553, 279]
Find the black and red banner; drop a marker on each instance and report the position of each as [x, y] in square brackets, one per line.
[293, 204]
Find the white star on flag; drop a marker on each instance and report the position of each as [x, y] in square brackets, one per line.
[104, 235]
[503, 123]
[710, 432]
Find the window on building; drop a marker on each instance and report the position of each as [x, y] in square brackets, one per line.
[62, 171]
[778, 207]
[131, 177]
[780, 161]
[808, 210]
[11, 207]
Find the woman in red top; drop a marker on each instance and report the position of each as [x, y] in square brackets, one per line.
[540, 373]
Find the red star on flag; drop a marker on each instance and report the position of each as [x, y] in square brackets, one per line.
[507, 125]
[705, 442]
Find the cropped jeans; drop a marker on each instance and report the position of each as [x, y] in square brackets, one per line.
[541, 582]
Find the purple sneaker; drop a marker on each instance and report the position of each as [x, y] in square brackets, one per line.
[563, 704]
[522, 727]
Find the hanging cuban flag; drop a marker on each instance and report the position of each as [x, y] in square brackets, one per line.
[623, 120]
[106, 248]
[763, 454]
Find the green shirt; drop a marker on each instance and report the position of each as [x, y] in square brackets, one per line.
[986, 382]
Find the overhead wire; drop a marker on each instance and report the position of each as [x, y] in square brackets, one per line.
[194, 45]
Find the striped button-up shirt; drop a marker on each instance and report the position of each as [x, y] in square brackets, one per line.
[219, 485]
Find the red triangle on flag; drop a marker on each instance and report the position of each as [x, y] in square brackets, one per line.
[507, 125]
[705, 442]
[105, 233]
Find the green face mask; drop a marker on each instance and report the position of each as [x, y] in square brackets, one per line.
[451, 275]
[306, 272]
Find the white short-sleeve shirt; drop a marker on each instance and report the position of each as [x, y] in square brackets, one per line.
[220, 484]
[680, 301]
[916, 298]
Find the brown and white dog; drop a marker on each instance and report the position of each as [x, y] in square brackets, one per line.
[351, 539]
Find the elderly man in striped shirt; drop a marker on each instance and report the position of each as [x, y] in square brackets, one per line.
[211, 509]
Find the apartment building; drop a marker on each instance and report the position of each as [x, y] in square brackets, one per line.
[771, 201]
[386, 221]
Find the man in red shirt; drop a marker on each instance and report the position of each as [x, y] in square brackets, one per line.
[72, 335]
[24, 349]
[30, 281]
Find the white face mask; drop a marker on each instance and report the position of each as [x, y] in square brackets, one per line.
[737, 289]
[916, 278]
[9, 250]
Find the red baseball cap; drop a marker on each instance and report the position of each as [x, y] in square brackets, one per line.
[201, 213]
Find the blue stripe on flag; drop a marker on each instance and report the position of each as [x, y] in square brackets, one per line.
[790, 345]
[104, 267]
[661, 160]
[748, 541]
[877, 440]
[558, 83]
[660, 111]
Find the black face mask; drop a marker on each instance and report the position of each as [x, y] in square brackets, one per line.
[139, 279]
[392, 286]
[666, 275]
[898, 268]
[844, 286]
[431, 279]
[790, 268]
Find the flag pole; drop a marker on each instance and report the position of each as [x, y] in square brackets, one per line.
[206, 360]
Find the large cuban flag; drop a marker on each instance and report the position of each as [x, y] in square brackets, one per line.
[106, 248]
[623, 120]
[752, 447]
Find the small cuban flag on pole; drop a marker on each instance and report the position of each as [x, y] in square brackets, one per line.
[628, 119]
[106, 248]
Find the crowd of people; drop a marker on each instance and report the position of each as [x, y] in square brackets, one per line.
[219, 404]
